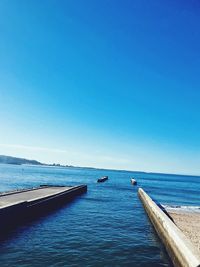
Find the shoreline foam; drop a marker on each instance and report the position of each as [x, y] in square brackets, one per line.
[181, 209]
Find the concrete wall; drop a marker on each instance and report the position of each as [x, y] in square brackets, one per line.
[12, 215]
[179, 248]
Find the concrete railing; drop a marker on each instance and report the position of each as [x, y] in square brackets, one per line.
[179, 248]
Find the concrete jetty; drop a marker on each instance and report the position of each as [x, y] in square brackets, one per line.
[179, 248]
[22, 204]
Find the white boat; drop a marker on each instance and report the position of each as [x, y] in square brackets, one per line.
[133, 181]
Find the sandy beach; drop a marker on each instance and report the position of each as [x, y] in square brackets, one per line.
[189, 223]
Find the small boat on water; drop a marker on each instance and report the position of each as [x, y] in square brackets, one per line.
[102, 179]
[133, 181]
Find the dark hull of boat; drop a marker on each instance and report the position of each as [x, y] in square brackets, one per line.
[103, 179]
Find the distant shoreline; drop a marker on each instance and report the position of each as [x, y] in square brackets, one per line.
[22, 161]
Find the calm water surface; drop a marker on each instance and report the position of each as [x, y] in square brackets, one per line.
[107, 226]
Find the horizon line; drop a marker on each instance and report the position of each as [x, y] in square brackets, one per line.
[97, 168]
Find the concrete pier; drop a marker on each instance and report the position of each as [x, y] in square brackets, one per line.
[23, 204]
[179, 248]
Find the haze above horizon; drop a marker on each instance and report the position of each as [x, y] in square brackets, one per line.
[107, 84]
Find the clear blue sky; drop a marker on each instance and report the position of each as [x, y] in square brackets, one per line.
[113, 84]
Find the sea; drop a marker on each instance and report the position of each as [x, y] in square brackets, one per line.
[107, 226]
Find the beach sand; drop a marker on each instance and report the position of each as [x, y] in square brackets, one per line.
[189, 223]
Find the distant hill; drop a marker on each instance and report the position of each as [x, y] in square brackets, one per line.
[17, 161]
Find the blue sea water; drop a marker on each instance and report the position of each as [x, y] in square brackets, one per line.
[107, 226]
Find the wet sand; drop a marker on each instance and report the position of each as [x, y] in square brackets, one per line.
[189, 223]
